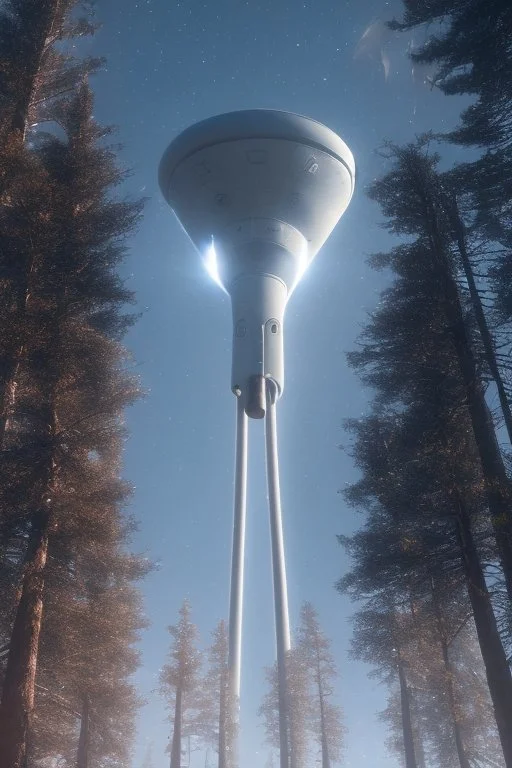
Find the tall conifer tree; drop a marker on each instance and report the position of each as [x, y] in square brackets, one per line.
[180, 683]
[75, 300]
[433, 477]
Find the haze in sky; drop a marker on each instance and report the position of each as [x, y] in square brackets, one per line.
[171, 64]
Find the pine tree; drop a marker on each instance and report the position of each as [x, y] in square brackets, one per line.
[218, 728]
[63, 384]
[180, 682]
[35, 72]
[75, 300]
[471, 49]
[379, 634]
[412, 531]
[86, 657]
[433, 694]
[314, 649]
[298, 710]
[465, 242]
[410, 198]
[428, 453]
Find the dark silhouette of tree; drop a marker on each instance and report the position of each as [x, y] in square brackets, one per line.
[34, 70]
[34, 73]
[466, 243]
[426, 509]
[472, 51]
[413, 204]
[469, 41]
[433, 478]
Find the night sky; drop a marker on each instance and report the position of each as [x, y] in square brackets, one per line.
[171, 64]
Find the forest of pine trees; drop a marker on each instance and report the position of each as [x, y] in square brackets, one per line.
[70, 612]
[195, 690]
[431, 561]
[316, 721]
[194, 687]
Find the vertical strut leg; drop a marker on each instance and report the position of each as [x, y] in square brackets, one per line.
[279, 571]
[236, 589]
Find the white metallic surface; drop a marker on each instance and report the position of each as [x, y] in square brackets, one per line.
[237, 575]
[282, 620]
[266, 188]
[257, 164]
[258, 303]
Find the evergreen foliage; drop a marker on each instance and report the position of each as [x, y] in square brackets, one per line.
[315, 722]
[195, 687]
[429, 457]
[180, 681]
[220, 730]
[471, 48]
[70, 613]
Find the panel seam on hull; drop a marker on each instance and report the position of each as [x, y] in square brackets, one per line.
[310, 144]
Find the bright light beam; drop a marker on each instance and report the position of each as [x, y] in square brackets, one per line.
[211, 266]
[304, 262]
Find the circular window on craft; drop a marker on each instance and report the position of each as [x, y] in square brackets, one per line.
[273, 327]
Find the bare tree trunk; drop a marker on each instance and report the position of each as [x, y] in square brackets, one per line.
[497, 483]
[222, 720]
[449, 676]
[176, 733]
[15, 352]
[452, 705]
[499, 678]
[8, 389]
[326, 763]
[417, 736]
[481, 320]
[82, 759]
[17, 704]
[408, 736]
[18, 690]
[419, 749]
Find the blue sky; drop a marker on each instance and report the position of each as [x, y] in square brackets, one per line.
[171, 64]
